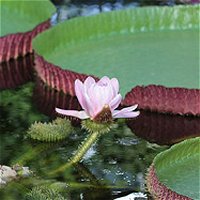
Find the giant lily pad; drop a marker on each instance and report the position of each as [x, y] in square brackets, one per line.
[22, 16]
[21, 21]
[175, 172]
[139, 46]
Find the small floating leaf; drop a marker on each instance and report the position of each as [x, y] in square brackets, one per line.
[176, 171]
[57, 130]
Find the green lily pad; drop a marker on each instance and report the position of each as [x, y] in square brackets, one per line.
[178, 168]
[153, 45]
[22, 16]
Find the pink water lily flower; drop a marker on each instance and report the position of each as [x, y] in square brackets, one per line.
[99, 101]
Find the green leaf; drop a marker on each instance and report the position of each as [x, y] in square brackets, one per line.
[22, 16]
[178, 168]
[55, 131]
[44, 193]
[152, 45]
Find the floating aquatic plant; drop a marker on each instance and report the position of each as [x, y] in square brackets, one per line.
[17, 45]
[54, 131]
[174, 173]
[55, 77]
[23, 16]
[125, 47]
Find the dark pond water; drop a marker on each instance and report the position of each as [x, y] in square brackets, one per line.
[114, 166]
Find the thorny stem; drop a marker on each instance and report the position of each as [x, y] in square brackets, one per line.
[83, 148]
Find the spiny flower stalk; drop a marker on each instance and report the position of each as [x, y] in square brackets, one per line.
[55, 131]
[84, 147]
[99, 101]
[95, 131]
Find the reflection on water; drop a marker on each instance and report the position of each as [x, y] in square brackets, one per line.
[164, 128]
[43, 94]
[16, 71]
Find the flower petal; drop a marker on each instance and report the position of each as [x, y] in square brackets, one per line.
[88, 82]
[97, 97]
[125, 112]
[79, 90]
[83, 98]
[115, 85]
[73, 113]
[103, 81]
[129, 109]
[115, 102]
[90, 109]
[109, 93]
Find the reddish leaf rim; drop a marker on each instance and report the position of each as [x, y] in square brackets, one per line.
[155, 98]
[162, 99]
[15, 45]
[55, 77]
[158, 190]
[16, 57]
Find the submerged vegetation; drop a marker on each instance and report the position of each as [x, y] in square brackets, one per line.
[44, 193]
[18, 111]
